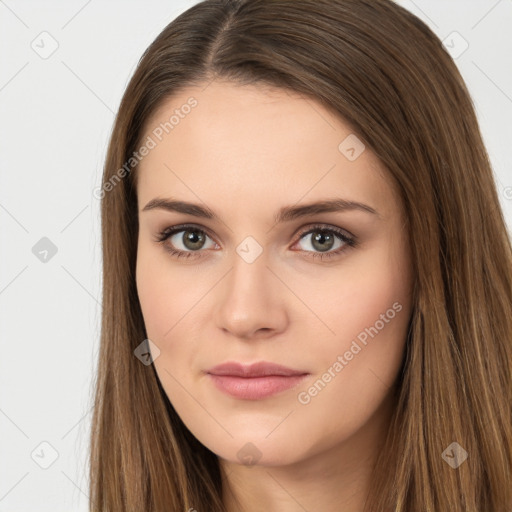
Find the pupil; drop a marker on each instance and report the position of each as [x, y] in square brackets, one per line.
[321, 237]
[193, 237]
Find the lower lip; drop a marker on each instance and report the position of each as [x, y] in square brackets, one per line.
[255, 388]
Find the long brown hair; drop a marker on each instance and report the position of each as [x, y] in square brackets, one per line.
[384, 72]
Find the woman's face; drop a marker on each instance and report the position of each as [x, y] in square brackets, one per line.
[262, 275]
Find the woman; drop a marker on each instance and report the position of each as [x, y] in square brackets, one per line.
[307, 275]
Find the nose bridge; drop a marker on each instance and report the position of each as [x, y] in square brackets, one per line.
[250, 276]
[250, 298]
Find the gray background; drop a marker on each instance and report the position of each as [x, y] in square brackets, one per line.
[56, 114]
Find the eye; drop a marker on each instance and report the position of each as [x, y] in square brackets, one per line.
[325, 238]
[183, 241]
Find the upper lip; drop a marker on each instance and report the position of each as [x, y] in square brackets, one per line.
[260, 369]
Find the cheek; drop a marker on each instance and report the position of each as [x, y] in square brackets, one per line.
[368, 308]
[370, 291]
[171, 308]
[163, 293]
[370, 329]
[154, 297]
[356, 371]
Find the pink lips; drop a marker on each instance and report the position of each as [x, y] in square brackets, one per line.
[255, 381]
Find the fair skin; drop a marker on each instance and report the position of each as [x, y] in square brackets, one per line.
[245, 152]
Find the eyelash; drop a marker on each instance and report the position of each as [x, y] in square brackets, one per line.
[349, 242]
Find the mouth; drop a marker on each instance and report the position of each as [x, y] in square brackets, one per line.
[255, 381]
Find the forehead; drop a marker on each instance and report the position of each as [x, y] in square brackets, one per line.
[257, 111]
[257, 141]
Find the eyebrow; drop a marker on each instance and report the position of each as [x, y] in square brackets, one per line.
[285, 214]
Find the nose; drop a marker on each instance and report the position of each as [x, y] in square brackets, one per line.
[251, 300]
